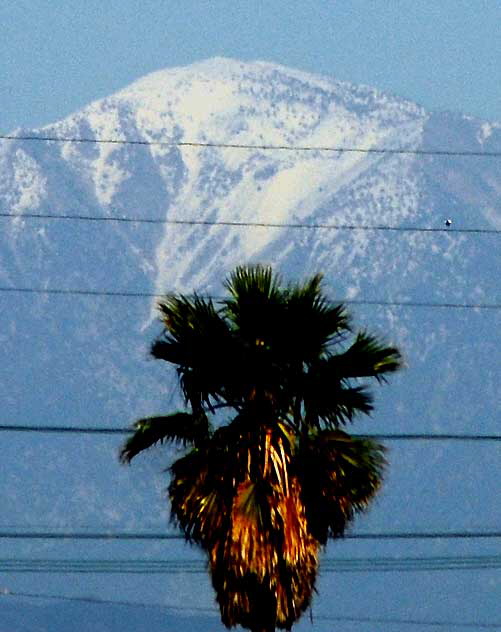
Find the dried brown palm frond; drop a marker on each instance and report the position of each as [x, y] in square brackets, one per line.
[264, 571]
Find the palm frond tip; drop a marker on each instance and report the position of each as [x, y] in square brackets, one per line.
[180, 427]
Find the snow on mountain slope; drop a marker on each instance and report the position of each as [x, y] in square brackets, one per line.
[84, 359]
[227, 102]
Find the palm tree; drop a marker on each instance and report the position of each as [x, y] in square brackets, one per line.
[263, 490]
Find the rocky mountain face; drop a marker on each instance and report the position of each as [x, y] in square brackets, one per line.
[78, 359]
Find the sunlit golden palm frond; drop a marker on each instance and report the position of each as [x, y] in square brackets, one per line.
[199, 498]
[266, 568]
[269, 556]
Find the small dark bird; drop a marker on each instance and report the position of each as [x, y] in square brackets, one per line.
[448, 222]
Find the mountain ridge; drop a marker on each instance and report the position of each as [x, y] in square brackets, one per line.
[77, 360]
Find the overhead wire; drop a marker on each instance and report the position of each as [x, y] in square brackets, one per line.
[94, 600]
[170, 566]
[251, 146]
[129, 535]
[140, 294]
[248, 224]
[421, 622]
[100, 430]
[118, 293]
[212, 611]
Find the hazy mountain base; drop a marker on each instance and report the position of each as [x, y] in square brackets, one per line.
[23, 616]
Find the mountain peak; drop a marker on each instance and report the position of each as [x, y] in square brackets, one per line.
[272, 78]
[230, 101]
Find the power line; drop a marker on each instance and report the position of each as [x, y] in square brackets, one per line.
[212, 611]
[264, 147]
[124, 535]
[148, 527]
[421, 622]
[138, 294]
[328, 565]
[187, 222]
[383, 303]
[96, 600]
[74, 535]
[34, 570]
[196, 563]
[431, 437]
[121, 430]
[64, 429]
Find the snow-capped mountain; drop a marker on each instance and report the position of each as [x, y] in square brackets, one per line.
[77, 359]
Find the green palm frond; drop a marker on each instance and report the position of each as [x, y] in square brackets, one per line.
[345, 403]
[295, 323]
[367, 357]
[330, 398]
[253, 282]
[193, 318]
[255, 309]
[198, 341]
[189, 322]
[314, 321]
[339, 476]
[180, 427]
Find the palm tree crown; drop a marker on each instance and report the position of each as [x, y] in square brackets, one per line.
[263, 491]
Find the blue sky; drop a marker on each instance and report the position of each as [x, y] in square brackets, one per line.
[57, 56]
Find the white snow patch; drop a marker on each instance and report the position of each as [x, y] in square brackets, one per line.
[30, 183]
[486, 130]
